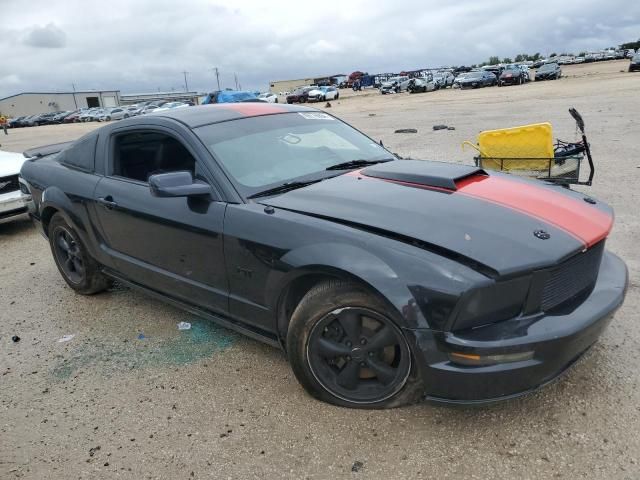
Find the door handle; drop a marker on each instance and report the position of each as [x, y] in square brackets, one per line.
[107, 202]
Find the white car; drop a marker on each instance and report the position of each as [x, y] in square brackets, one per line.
[115, 113]
[268, 97]
[12, 200]
[322, 94]
[394, 85]
[170, 106]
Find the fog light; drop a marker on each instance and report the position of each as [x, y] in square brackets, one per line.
[477, 360]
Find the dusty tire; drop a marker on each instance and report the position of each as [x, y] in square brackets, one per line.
[79, 270]
[386, 373]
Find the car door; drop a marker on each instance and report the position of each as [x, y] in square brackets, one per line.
[172, 245]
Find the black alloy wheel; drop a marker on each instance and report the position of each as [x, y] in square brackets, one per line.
[358, 355]
[68, 254]
[345, 348]
[81, 272]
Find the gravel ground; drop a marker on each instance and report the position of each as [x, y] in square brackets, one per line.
[131, 396]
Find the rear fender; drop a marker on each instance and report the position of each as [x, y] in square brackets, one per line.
[53, 198]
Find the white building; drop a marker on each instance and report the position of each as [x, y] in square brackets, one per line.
[31, 103]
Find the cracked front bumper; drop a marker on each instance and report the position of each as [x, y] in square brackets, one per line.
[557, 341]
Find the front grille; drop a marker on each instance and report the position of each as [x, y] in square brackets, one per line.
[9, 184]
[571, 278]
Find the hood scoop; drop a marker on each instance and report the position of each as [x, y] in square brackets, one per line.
[430, 174]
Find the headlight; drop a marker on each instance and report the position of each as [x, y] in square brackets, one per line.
[493, 303]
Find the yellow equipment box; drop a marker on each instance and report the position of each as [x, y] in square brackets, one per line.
[525, 142]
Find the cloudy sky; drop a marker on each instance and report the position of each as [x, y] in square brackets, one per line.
[145, 45]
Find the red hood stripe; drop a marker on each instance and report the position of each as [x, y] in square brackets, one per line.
[574, 216]
[584, 222]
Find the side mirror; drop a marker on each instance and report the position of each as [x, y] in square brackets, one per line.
[177, 184]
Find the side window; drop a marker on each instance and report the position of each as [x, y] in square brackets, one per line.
[81, 154]
[138, 155]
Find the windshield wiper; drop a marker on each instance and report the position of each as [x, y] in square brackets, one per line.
[356, 164]
[285, 187]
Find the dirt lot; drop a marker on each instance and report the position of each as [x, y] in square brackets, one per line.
[131, 396]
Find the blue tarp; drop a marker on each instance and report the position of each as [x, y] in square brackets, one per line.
[229, 96]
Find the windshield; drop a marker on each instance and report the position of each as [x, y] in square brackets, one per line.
[547, 66]
[265, 151]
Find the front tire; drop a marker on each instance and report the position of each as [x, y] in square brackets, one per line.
[80, 271]
[345, 349]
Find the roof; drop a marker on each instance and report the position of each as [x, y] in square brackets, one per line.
[221, 112]
[310, 78]
[58, 93]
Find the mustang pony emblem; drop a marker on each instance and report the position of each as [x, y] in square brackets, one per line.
[542, 235]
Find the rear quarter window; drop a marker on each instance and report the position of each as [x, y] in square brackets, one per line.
[81, 155]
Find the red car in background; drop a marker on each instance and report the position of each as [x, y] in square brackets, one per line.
[73, 117]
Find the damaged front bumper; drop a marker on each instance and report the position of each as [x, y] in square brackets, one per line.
[528, 352]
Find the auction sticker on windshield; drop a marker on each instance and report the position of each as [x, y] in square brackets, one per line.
[315, 116]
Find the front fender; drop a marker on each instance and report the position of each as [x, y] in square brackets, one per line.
[423, 288]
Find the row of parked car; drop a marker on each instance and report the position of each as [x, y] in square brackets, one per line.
[94, 114]
[489, 76]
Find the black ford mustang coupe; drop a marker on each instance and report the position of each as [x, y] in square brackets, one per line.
[384, 280]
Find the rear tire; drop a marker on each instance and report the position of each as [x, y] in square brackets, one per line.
[345, 348]
[80, 271]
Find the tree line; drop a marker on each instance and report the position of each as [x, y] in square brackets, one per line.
[525, 57]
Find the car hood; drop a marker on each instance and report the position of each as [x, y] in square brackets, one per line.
[459, 211]
[10, 163]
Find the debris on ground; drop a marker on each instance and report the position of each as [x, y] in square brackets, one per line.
[184, 326]
[406, 130]
[15, 338]
[357, 466]
[93, 450]
[66, 338]
[440, 127]
[328, 105]
[372, 114]
[141, 336]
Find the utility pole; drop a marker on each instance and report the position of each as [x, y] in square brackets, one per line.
[75, 102]
[235, 77]
[186, 85]
[217, 76]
